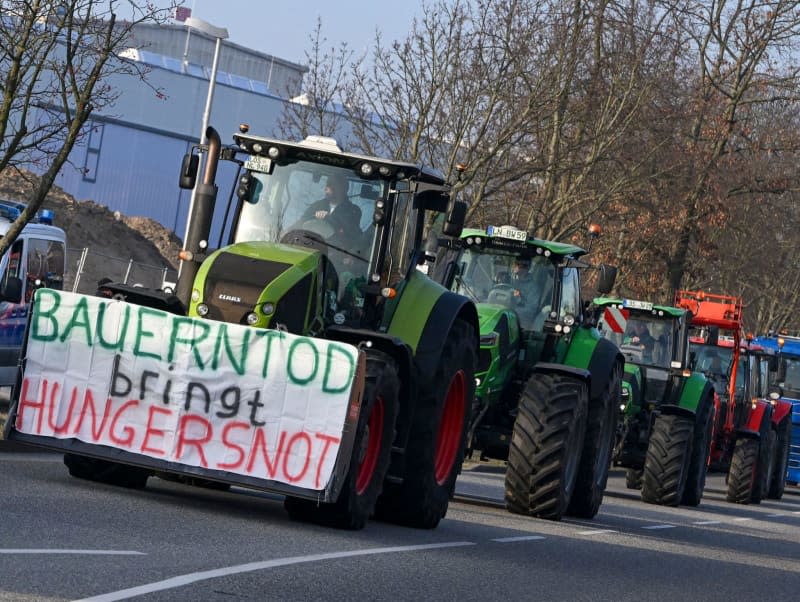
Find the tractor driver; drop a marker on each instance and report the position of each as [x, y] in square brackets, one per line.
[522, 282]
[337, 210]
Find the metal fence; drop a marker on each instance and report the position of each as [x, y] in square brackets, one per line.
[85, 267]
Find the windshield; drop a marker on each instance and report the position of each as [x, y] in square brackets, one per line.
[642, 340]
[791, 380]
[305, 202]
[715, 363]
[522, 284]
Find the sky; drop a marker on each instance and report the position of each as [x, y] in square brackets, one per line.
[282, 28]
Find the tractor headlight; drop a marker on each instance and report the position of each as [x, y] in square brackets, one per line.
[202, 310]
[251, 318]
[268, 309]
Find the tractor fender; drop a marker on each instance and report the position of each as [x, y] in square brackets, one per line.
[692, 392]
[780, 410]
[670, 409]
[589, 351]
[758, 420]
[445, 311]
[549, 368]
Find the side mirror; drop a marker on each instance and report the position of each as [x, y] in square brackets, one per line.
[606, 279]
[11, 290]
[189, 167]
[431, 200]
[781, 371]
[454, 220]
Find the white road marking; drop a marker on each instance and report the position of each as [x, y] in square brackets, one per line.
[707, 522]
[596, 532]
[659, 527]
[189, 578]
[519, 538]
[776, 515]
[740, 519]
[65, 551]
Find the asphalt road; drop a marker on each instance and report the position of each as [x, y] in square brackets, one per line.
[67, 539]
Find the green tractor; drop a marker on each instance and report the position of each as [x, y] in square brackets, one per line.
[668, 410]
[548, 384]
[308, 356]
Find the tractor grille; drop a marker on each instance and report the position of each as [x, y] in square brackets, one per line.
[234, 284]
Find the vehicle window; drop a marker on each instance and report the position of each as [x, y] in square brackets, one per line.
[570, 294]
[45, 259]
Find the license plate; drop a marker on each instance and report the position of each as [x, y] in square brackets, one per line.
[508, 232]
[258, 163]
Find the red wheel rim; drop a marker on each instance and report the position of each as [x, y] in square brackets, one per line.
[448, 439]
[372, 449]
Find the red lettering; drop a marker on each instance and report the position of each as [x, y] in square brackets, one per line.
[260, 442]
[288, 455]
[149, 430]
[58, 429]
[128, 431]
[88, 401]
[236, 464]
[328, 442]
[25, 402]
[198, 443]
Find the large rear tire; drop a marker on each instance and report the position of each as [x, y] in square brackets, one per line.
[546, 446]
[766, 462]
[371, 451]
[437, 440]
[666, 464]
[701, 447]
[782, 446]
[598, 445]
[742, 473]
[104, 471]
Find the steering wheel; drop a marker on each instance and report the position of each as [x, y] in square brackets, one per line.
[312, 233]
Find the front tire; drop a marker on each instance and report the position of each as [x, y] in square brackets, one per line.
[633, 478]
[766, 463]
[546, 446]
[742, 473]
[666, 464]
[437, 440]
[371, 450]
[598, 445]
[778, 484]
[701, 447]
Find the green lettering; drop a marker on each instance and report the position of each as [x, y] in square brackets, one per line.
[224, 340]
[142, 333]
[192, 339]
[49, 330]
[270, 335]
[326, 384]
[79, 319]
[121, 330]
[291, 361]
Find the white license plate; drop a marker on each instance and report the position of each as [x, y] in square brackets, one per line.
[512, 233]
[257, 163]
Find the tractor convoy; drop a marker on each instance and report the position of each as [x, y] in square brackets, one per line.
[313, 356]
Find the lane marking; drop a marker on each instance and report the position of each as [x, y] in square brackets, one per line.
[520, 538]
[596, 532]
[653, 527]
[707, 522]
[190, 578]
[65, 551]
[776, 515]
[740, 519]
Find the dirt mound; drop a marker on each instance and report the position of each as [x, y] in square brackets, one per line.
[118, 245]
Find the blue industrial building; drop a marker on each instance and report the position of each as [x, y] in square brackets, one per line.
[131, 158]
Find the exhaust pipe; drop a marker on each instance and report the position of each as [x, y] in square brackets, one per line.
[200, 220]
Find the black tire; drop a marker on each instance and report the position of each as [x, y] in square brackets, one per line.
[701, 448]
[782, 446]
[104, 471]
[598, 445]
[766, 463]
[546, 446]
[742, 473]
[666, 463]
[633, 478]
[371, 451]
[437, 440]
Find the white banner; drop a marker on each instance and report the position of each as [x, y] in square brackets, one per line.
[256, 402]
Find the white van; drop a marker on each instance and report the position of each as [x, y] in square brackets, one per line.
[36, 259]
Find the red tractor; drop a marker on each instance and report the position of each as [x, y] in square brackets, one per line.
[744, 445]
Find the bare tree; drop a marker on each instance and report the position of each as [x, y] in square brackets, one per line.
[56, 56]
[319, 109]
